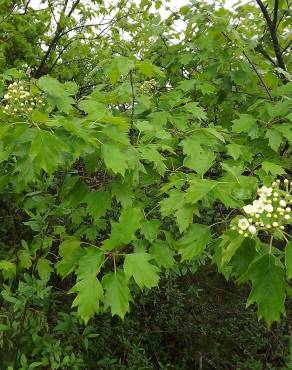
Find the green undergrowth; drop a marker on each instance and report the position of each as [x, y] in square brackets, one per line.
[189, 322]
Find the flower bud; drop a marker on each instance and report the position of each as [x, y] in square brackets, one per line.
[287, 217]
[275, 224]
[269, 208]
[243, 224]
[252, 229]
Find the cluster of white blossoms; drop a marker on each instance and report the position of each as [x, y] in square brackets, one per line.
[270, 212]
[148, 86]
[19, 101]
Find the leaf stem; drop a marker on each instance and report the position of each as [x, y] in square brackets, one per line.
[271, 244]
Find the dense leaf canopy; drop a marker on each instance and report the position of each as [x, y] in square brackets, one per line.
[145, 139]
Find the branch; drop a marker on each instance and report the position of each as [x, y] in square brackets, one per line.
[253, 67]
[261, 50]
[259, 76]
[73, 8]
[26, 7]
[52, 44]
[287, 46]
[56, 37]
[275, 19]
[59, 55]
[69, 43]
[133, 103]
[84, 88]
[8, 15]
[84, 26]
[272, 28]
[52, 12]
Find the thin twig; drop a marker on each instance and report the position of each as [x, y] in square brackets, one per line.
[133, 101]
[259, 76]
[253, 67]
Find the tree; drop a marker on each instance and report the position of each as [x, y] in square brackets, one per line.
[122, 157]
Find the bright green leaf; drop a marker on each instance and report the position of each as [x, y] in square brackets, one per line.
[162, 254]
[123, 232]
[272, 168]
[89, 293]
[70, 252]
[114, 158]
[230, 243]
[275, 139]
[88, 288]
[44, 269]
[46, 151]
[244, 123]
[268, 288]
[144, 273]
[117, 294]
[194, 241]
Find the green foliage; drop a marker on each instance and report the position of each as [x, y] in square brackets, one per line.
[117, 293]
[140, 154]
[88, 288]
[123, 232]
[268, 288]
[195, 240]
[143, 272]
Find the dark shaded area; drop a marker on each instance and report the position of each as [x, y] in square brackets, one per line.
[192, 322]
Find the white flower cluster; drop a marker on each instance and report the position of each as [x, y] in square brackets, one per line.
[19, 101]
[148, 86]
[269, 212]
